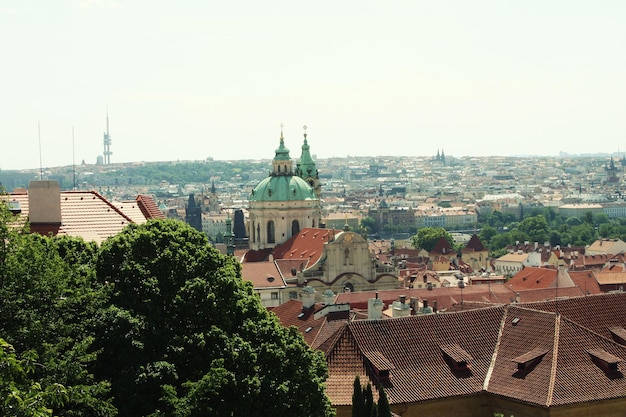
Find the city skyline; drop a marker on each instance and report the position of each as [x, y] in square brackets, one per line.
[209, 79]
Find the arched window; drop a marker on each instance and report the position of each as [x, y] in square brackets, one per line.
[258, 231]
[253, 233]
[270, 232]
[295, 227]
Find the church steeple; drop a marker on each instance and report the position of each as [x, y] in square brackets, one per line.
[282, 161]
[306, 169]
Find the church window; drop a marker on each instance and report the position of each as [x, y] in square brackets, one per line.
[258, 231]
[295, 227]
[253, 233]
[270, 232]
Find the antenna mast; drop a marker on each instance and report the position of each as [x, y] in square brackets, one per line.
[73, 159]
[107, 143]
[40, 163]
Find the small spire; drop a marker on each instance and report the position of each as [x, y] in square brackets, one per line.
[304, 127]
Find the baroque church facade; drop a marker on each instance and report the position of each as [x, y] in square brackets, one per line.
[285, 202]
[290, 250]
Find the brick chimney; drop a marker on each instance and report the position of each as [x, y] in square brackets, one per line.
[44, 202]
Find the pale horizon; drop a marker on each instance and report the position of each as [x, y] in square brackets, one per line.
[206, 79]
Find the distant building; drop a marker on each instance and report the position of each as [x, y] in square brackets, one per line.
[387, 217]
[193, 213]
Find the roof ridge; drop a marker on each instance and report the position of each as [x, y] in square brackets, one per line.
[110, 204]
[555, 358]
[496, 348]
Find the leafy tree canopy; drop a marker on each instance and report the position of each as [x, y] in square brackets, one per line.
[186, 336]
[427, 237]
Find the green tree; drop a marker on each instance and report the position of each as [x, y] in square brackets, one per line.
[486, 233]
[384, 410]
[536, 228]
[427, 237]
[48, 298]
[369, 224]
[21, 395]
[369, 399]
[186, 336]
[358, 399]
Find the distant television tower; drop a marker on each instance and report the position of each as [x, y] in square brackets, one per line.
[107, 144]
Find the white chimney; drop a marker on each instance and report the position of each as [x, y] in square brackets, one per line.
[375, 308]
[44, 202]
[308, 297]
[401, 308]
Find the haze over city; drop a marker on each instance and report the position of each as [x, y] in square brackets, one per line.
[191, 80]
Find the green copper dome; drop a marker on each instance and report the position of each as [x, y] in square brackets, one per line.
[282, 188]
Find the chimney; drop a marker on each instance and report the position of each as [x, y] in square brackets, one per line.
[329, 297]
[400, 308]
[308, 297]
[44, 202]
[375, 308]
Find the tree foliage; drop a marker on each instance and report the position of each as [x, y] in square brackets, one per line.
[187, 337]
[48, 297]
[427, 237]
[363, 404]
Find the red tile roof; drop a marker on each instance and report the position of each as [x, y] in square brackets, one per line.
[262, 274]
[527, 355]
[149, 207]
[474, 245]
[318, 327]
[540, 278]
[85, 214]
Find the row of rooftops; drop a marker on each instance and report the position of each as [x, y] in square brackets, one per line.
[547, 354]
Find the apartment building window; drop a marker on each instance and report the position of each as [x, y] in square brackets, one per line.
[274, 296]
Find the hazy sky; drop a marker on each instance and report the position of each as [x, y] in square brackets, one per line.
[196, 79]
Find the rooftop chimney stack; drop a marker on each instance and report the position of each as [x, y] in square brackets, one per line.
[308, 297]
[375, 308]
[44, 202]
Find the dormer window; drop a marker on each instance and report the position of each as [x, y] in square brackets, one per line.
[456, 357]
[619, 335]
[605, 361]
[528, 361]
[380, 364]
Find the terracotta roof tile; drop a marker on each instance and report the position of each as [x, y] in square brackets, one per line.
[149, 207]
[85, 214]
[528, 355]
